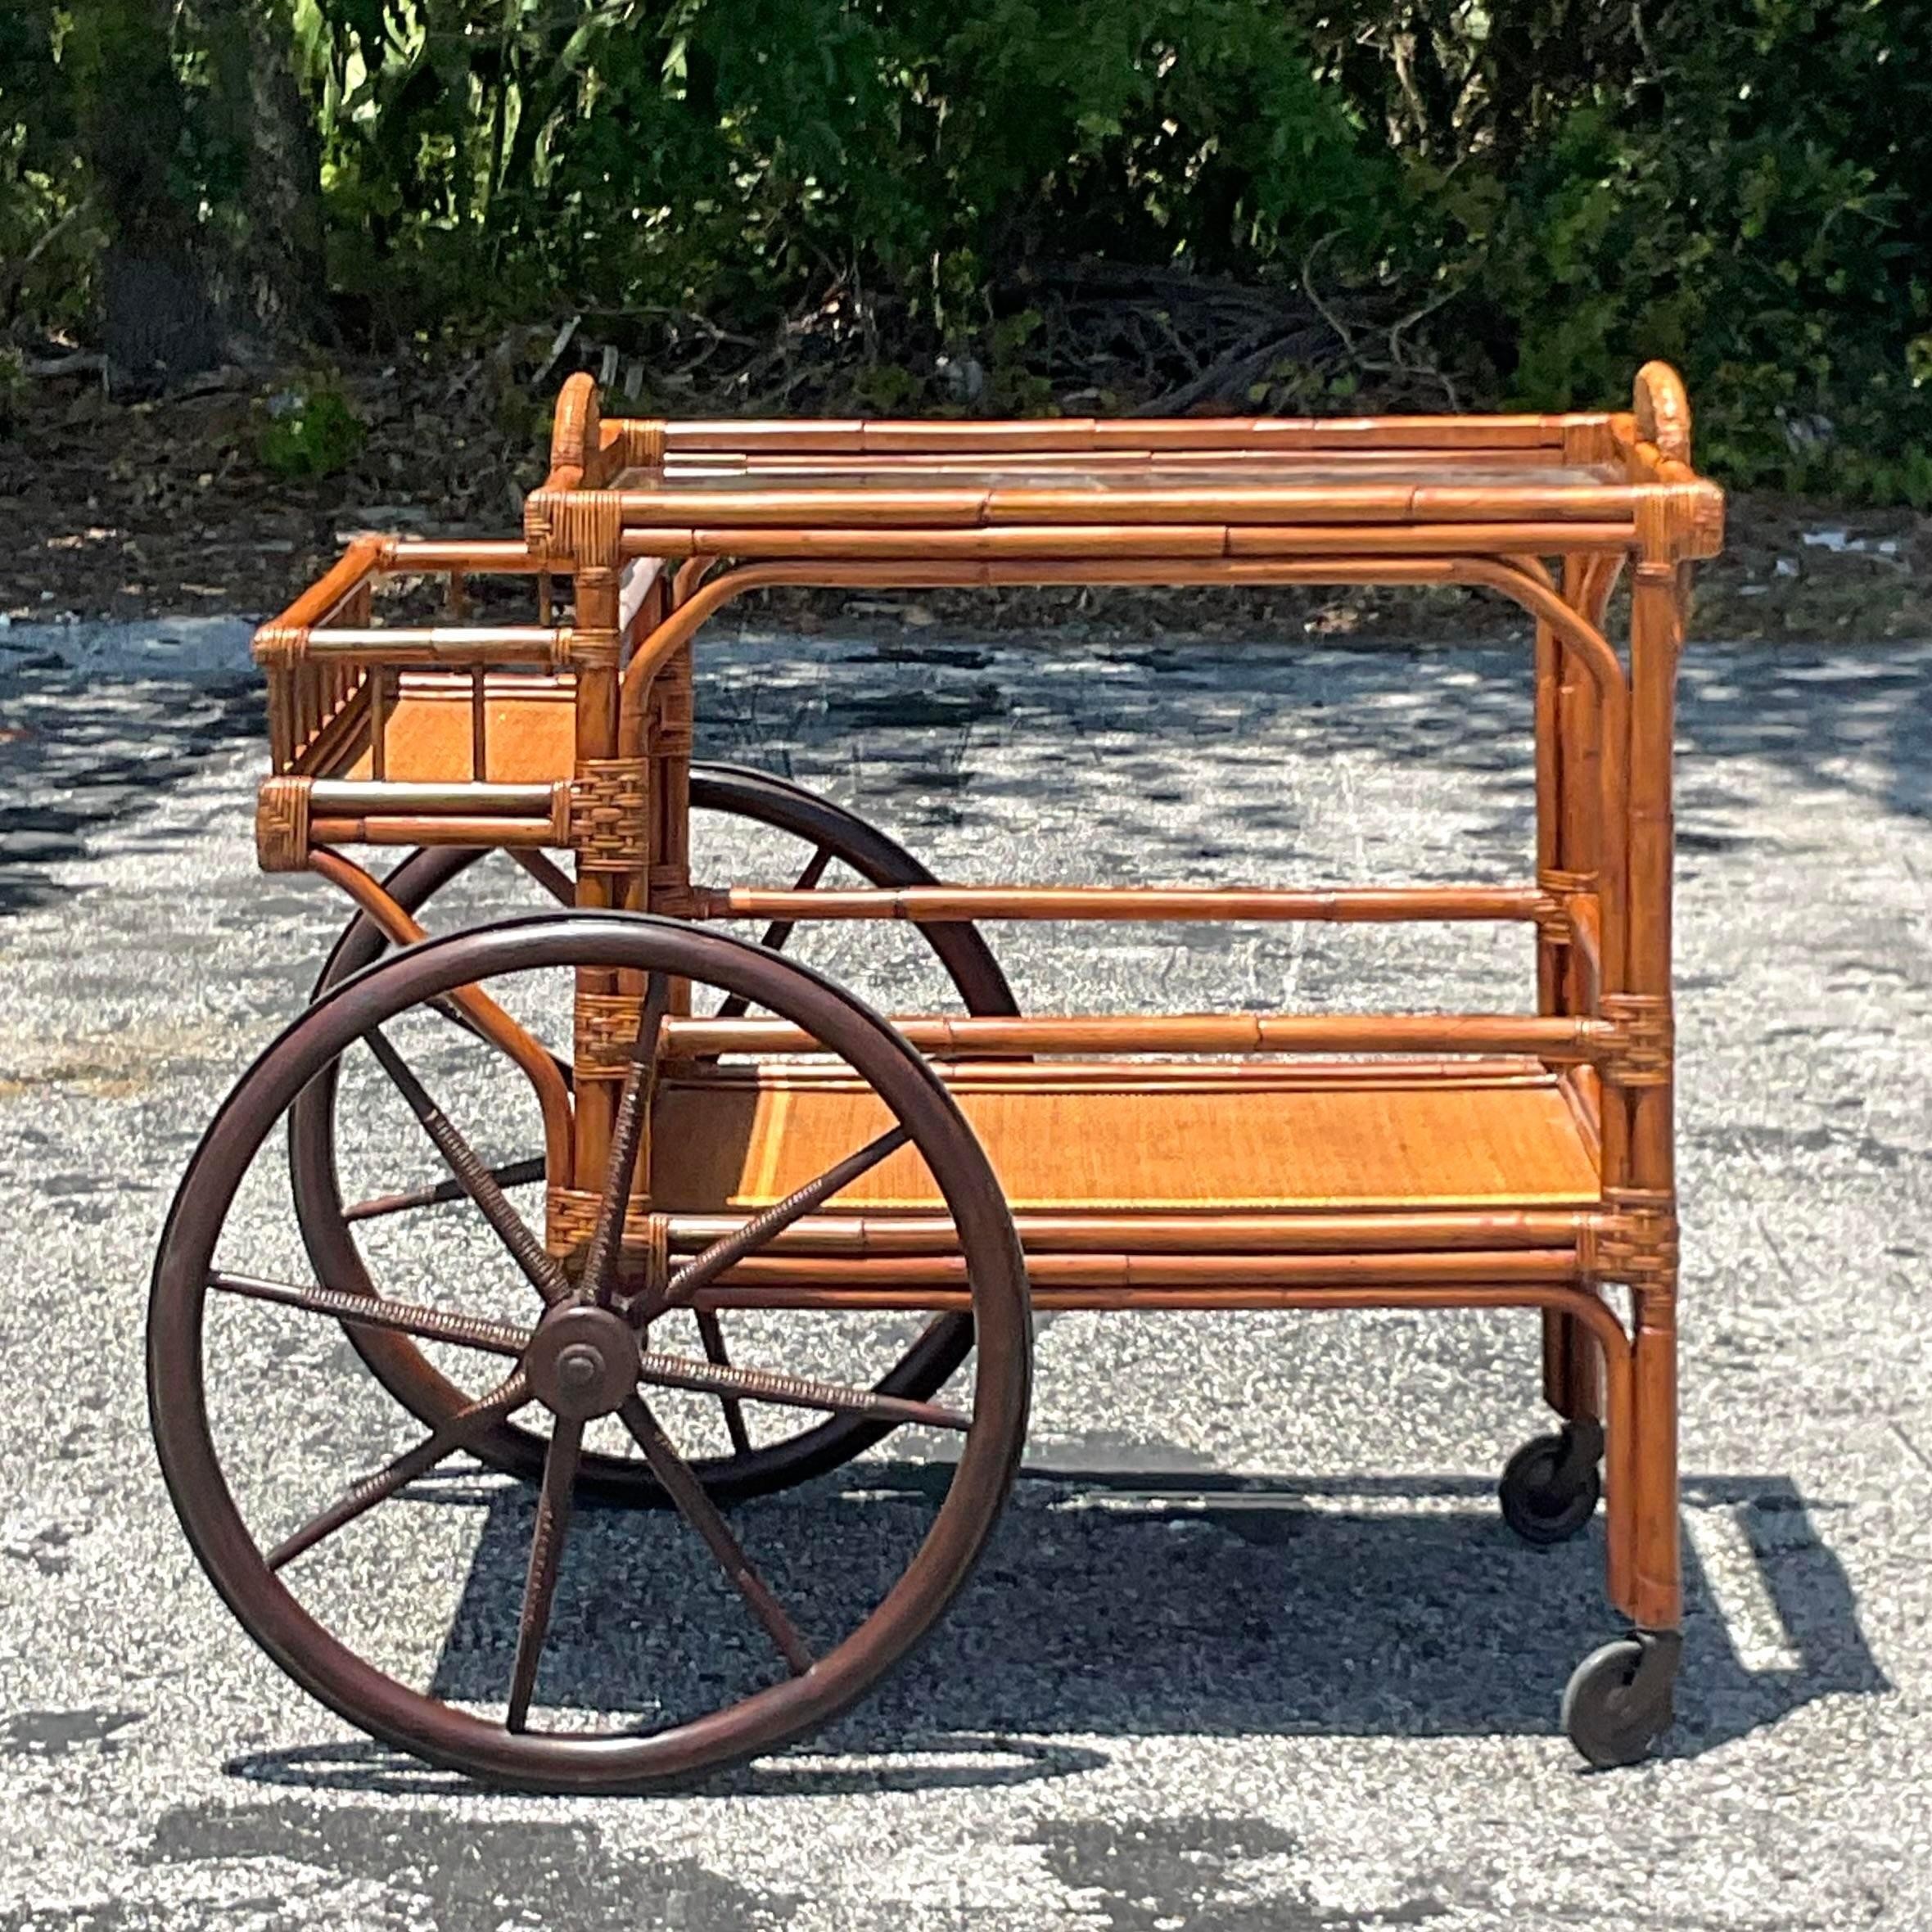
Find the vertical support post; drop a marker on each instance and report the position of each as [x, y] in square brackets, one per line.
[479, 724]
[1550, 955]
[358, 608]
[594, 646]
[379, 677]
[668, 724]
[459, 606]
[1549, 793]
[1649, 1196]
[670, 877]
[302, 689]
[1566, 863]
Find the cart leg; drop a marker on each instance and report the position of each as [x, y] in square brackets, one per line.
[1657, 1589]
[1569, 786]
[1618, 1701]
[1551, 1487]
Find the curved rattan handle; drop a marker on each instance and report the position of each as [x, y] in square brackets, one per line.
[574, 433]
[1663, 411]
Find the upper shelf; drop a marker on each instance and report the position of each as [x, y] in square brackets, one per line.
[685, 487]
[1292, 487]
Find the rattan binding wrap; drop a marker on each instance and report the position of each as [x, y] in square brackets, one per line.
[586, 650]
[1648, 1044]
[606, 1034]
[1635, 1241]
[610, 821]
[571, 1221]
[281, 824]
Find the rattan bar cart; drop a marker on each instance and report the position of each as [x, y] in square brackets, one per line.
[733, 1148]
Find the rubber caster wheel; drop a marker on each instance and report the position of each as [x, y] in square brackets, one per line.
[1617, 1702]
[1551, 1487]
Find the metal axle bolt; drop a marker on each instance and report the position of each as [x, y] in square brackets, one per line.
[578, 1366]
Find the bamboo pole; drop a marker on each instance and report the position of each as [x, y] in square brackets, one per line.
[1655, 640]
[938, 904]
[1207, 1233]
[392, 828]
[841, 1281]
[406, 555]
[1062, 542]
[352, 798]
[1558, 1040]
[597, 709]
[705, 466]
[441, 644]
[1273, 433]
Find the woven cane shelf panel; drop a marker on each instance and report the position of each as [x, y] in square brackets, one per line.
[530, 729]
[1140, 1144]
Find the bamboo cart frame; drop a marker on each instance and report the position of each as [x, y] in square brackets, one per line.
[575, 737]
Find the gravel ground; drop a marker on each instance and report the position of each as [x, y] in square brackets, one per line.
[1252, 1652]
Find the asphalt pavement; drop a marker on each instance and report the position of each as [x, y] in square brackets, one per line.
[1252, 1652]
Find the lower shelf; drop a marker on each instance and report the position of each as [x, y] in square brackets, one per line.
[1160, 1140]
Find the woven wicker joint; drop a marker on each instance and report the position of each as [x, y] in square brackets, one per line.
[610, 827]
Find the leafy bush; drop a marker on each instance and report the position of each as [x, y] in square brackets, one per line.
[1748, 205]
[310, 431]
[1550, 191]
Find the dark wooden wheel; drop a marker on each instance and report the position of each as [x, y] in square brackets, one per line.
[833, 837]
[591, 1360]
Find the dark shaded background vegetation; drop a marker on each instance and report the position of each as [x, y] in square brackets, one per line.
[1004, 204]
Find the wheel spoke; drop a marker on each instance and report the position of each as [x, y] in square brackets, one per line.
[711, 1261]
[711, 1330]
[697, 1509]
[779, 931]
[546, 1552]
[627, 1134]
[403, 1318]
[450, 1436]
[734, 1385]
[516, 1174]
[544, 1272]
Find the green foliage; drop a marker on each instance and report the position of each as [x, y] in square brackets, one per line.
[13, 387]
[310, 431]
[47, 243]
[743, 153]
[1553, 190]
[1751, 204]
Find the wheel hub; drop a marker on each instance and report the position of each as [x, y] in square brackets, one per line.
[582, 1362]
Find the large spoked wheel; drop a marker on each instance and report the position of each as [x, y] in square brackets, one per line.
[341, 1598]
[724, 800]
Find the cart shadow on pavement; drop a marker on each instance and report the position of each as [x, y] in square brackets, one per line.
[81, 755]
[920, 1763]
[1120, 1603]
